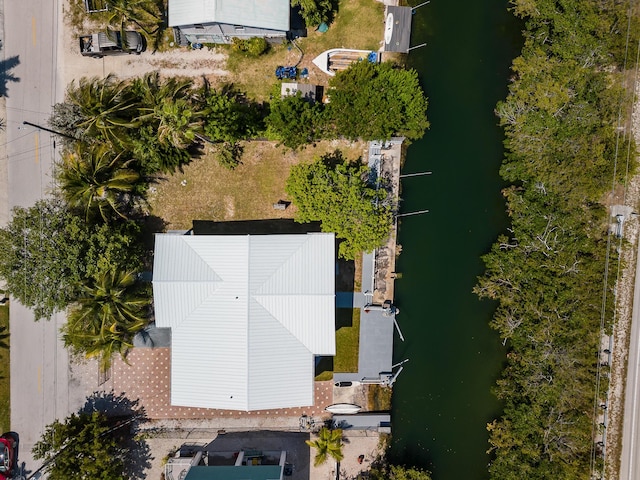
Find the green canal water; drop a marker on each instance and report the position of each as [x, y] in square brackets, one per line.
[442, 400]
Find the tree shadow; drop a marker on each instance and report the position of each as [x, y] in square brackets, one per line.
[323, 364]
[151, 225]
[125, 411]
[4, 335]
[345, 273]
[6, 76]
[272, 226]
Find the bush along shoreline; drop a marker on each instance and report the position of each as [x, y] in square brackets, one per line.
[546, 273]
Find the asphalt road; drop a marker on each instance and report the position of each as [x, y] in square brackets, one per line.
[629, 465]
[41, 388]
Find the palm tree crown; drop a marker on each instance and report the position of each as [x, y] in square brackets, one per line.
[171, 106]
[328, 444]
[107, 105]
[94, 178]
[106, 317]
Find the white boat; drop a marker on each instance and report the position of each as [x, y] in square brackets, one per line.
[343, 408]
[331, 61]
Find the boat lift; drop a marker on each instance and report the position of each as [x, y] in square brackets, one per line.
[386, 379]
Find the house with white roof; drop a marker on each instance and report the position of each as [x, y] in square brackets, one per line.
[219, 21]
[248, 315]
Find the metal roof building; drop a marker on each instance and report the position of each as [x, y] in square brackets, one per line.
[248, 314]
[270, 14]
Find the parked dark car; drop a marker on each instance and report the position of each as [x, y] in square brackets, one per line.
[97, 45]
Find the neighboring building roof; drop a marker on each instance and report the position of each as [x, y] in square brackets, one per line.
[362, 421]
[248, 314]
[245, 472]
[270, 14]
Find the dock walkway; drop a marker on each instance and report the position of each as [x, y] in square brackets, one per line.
[375, 357]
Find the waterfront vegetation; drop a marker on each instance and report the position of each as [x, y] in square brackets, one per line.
[560, 119]
[336, 192]
[379, 398]
[368, 101]
[381, 470]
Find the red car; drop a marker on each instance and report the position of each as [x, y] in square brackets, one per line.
[8, 455]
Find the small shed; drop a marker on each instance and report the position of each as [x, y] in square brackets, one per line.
[312, 93]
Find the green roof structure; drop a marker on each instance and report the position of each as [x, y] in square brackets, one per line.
[243, 472]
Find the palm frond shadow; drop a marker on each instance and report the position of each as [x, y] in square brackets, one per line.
[6, 75]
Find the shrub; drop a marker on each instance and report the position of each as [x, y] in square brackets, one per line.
[253, 47]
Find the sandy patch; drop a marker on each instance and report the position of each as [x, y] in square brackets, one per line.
[181, 61]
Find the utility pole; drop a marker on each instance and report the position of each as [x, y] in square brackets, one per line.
[48, 130]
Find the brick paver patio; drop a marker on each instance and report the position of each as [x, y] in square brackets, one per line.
[148, 378]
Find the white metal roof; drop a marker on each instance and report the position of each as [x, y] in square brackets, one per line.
[248, 314]
[270, 14]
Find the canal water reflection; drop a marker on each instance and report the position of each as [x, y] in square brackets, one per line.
[442, 400]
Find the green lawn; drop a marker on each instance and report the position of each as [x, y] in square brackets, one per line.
[246, 193]
[347, 340]
[5, 412]
[347, 345]
[359, 24]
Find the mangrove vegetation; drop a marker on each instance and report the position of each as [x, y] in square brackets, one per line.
[564, 137]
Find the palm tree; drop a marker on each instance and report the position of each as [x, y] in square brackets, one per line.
[178, 123]
[141, 12]
[107, 105]
[328, 444]
[172, 106]
[107, 315]
[94, 178]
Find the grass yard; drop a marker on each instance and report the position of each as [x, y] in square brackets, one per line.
[347, 340]
[205, 190]
[347, 346]
[5, 410]
[256, 76]
[359, 24]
